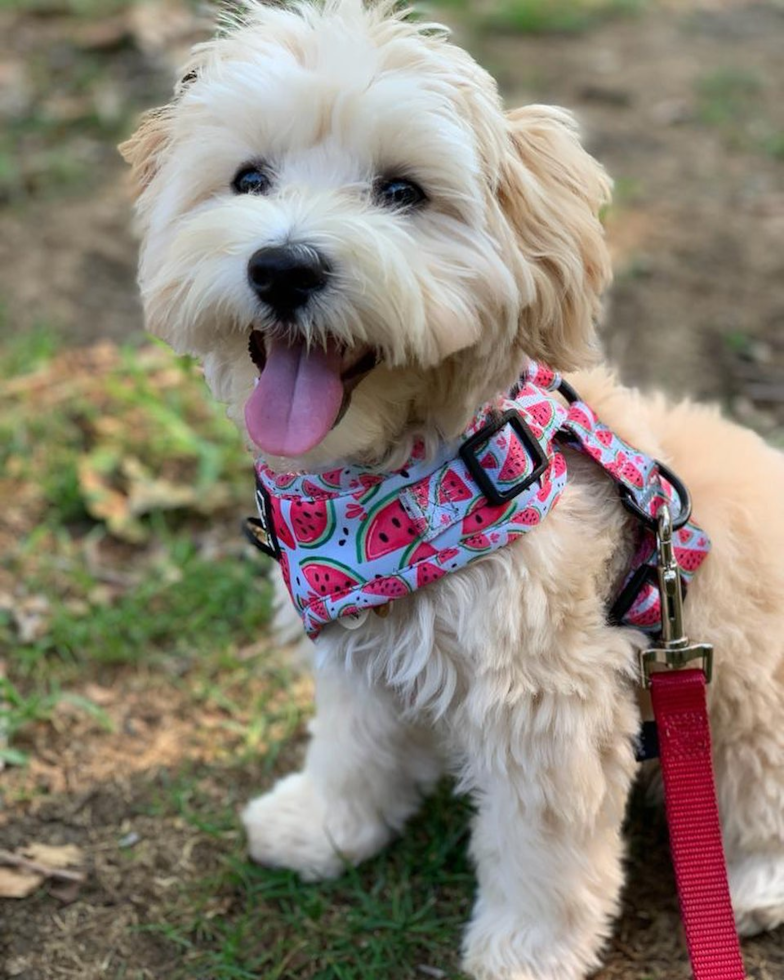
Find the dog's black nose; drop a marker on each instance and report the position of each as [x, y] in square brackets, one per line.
[286, 276]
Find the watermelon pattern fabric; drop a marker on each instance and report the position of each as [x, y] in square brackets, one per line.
[351, 539]
[641, 478]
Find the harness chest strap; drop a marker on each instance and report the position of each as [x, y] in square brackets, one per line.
[352, 539]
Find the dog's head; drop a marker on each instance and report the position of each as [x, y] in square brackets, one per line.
[342, 223]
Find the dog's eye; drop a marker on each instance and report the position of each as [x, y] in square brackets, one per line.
[251, 180]
[403, 195]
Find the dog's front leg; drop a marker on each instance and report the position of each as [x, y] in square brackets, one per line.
[364, 774]
[551, 778]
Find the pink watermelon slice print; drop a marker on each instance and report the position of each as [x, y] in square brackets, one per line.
[319, 610]
[451, 487]
[581, 415]
[482, 516]
[688, 559]
[515, 464]
[311, 489]
[331, 478]
[282, 530]
[447, 555]
[285, 570]
[387, 529]
[604, 436]
[421, 552]
[391, 586]
[312, 521]
[528, 517]
[284, 480]
[328, 577]
[477, 542]
[428, 573]
[631, 473]
[544, 376]
[541, 412]
[545, 489]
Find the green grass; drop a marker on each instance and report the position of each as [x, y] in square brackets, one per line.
[75, 8]
[18, 711]
[115, 465]
[24, 353]
[726, 96]
[542, 16]
[134, 437]
[773, 145]
[731, 100]
[185, 607]
[394, 916]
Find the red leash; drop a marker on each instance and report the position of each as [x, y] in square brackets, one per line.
[680, 708]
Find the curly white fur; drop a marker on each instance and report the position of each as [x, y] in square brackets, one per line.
[530, 698]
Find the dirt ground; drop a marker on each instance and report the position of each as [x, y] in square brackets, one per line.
[685, 106]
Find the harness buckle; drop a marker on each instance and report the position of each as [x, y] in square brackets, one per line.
[469, 453]
[260, 531]
[675, 651]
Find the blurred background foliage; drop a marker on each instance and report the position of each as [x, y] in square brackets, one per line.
[138, 691]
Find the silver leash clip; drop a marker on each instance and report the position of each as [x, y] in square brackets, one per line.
[675, 651]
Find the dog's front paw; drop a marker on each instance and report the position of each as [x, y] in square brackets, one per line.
[497, 947]
[292, 827]
[287, 829]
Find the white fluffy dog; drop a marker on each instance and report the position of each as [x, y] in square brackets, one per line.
[340, 186]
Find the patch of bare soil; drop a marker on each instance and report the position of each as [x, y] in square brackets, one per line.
[113, 792]
[71, 265]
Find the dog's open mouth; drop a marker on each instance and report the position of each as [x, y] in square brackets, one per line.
[301, 393]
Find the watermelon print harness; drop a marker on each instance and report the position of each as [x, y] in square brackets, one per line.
[352, 539]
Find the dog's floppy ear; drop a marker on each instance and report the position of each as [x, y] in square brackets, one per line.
[552, 191]
[143, 151]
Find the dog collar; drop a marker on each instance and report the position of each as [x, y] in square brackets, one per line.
[352, 539]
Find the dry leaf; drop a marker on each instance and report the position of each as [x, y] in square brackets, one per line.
[105, 503]
[65, 856]
[16, 883]
[26, 870]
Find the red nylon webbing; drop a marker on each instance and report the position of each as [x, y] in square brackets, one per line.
[680, 709]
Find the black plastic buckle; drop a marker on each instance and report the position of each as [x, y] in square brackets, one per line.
[469, 452]
[645, 574]
[260, 531]
[684, 499]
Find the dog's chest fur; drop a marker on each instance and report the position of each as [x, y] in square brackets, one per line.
[513, 612]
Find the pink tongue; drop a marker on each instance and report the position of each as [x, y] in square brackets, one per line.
[296, 401]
